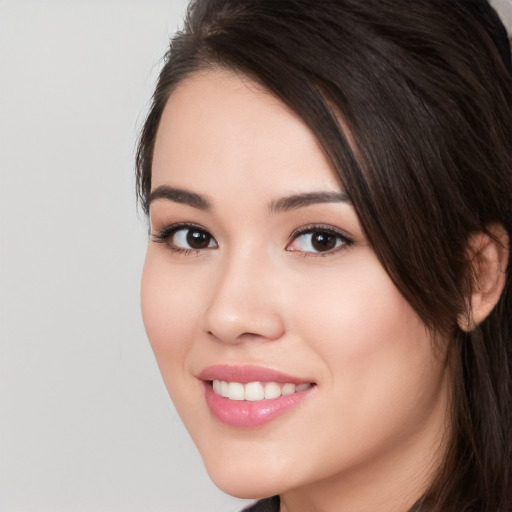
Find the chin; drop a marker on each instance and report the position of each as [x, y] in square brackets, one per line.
[248, 483]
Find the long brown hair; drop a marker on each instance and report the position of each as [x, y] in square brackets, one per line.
[424, 88]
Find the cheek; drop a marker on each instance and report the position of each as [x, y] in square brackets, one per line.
[380, 362]
[353, 312]
[169, 301]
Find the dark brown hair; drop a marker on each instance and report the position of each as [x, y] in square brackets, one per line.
[425, 90]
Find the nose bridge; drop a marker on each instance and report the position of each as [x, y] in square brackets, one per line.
[241, 305]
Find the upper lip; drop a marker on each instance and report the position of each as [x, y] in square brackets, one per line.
[248, 373]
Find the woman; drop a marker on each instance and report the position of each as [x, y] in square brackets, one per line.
[326, 288]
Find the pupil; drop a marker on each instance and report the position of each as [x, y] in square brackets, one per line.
[323, 241]
[198, 239]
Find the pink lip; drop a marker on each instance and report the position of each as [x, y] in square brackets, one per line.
[247, 373]
[246, 414]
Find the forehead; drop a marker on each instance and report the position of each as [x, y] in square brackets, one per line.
[219, 126]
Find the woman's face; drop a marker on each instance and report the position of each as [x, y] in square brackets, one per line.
[259, 279]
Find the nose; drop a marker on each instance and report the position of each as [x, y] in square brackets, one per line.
[244, 303]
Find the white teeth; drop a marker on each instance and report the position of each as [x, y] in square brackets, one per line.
[288, 389]
[272, 390]
[254, 391]
[236, 391]
[217, 384]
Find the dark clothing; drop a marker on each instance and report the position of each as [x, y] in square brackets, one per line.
[266, 505]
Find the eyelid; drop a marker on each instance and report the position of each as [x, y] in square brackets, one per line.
[321, 228]
[164, 234]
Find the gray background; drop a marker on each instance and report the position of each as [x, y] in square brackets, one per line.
[85, 422]
[505, 9]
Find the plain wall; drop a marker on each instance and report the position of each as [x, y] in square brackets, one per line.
[504, 7]
[85, 421]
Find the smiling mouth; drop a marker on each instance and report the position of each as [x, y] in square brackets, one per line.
[248, 396]
[255, 391]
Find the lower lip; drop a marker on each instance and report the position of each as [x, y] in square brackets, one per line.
[247, 414]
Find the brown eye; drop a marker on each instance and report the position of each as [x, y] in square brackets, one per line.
[323, 241]
[198, 239]
[318, 240]
[188, 239]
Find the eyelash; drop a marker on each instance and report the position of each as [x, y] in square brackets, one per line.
[164, 236]
[346, 241]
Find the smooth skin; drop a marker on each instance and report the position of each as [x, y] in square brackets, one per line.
[297, 289]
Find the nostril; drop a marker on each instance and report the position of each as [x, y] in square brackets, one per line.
[236, 323]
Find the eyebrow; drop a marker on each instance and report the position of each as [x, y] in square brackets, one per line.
[302, 200]
[284, 204]
[179, 195]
